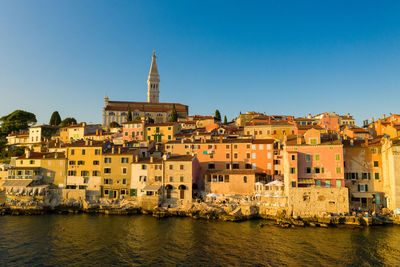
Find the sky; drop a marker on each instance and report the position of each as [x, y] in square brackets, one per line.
[277, 57]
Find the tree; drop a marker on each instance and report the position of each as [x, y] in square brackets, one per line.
[137, 118]
[114, 124]
[217, 115]
[16, 121]
[129, 115]
[67, 122]
[174, 114]
[225, 120]
[55, 119]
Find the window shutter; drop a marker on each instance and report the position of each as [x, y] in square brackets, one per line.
[110, 193]
[131, 192]
[366, 188]
[358, 188]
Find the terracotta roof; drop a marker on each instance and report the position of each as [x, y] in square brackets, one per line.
[44, 155]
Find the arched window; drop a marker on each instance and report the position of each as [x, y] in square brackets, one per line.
[244, 179]
[111, 113]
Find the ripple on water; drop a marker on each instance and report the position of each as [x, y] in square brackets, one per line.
[75, 240]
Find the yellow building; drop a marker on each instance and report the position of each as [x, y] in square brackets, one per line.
[116, 163]
[77, 131]
[162, 132]
[273, 130]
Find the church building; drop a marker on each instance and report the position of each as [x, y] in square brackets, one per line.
[160, 112]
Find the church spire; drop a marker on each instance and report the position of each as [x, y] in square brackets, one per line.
[153, 82]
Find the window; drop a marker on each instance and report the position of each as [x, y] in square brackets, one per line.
[84, 173]
[107, 160]
[327, 184]
[253, 155]
[72, 152]
[293, 184]
[142, 178]
[248, 146]
[366, 176]
[244, 179]
[248, 155]
[171, 178]
[293, 157]
[338, 183]
[317, 157]
[181, 167]
[107, 170]
[95, 173]
[235, 155]
[338, 170]
[253, 147]
[269, 146]
[169, 137]
[235, 166]
[227, 146]
[211, 166]
[181, 179]
[86, 180]
[292, 170]
[376, 176]
[171, 167]
[313, 141]
[228, 166]
[95, 162]
[235, 146]
[253, 166]
[124, 181]
[83, 152]
[158, 167]
[157, 178]
[308, 170]
[107, 181]
[317, 170]
[124, 160]
[97, 151]
[376, 164]
[227, 155]
[247, 166]
[337, 157]
[269, 166]
[269, 155]
[318, 183]
[362, 188]
[144, 167]
[72, 162]
[32, 162]
[71, 173]
[261, 147]
[81, 162]
[124, 171]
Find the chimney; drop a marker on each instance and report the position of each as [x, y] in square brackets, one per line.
[86, 142]
[182, 141]
[136, 158]
[384, 116]
[351, 142]
[373, 119]
[83, 124]
[119, 150]
[113, 150]
[151, 159]
[157, 147]
[97, 132]
[220, 139]
[56, 155]
[91, 142]
[348, 114]
[27, 153]
[299, 139]
[309, 116]
[106, 101]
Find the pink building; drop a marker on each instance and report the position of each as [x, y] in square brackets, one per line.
[328, 121]
[133, 130]
[313, 161]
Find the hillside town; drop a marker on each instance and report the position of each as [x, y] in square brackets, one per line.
[155, 155]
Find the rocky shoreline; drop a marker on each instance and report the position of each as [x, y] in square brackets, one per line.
[206, 212]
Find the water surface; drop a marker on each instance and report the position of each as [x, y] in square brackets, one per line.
[100, 240]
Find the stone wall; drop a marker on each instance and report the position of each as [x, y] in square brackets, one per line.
[314, 201]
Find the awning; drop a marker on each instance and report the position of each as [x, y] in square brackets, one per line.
[152, 187]
[16, 183]
[362, 195]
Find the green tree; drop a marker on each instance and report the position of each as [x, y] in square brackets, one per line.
[55, 119]
[129, 115]
[114, 124]
[174, 114]
[137, 118]
[16, 121]
[67, 122]
[217, 115]
[225, 120]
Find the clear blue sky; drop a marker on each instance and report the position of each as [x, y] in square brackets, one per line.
[278, 57]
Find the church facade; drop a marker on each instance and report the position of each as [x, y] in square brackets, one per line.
[116, 111]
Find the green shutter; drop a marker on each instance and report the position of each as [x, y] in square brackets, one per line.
[131, 192]
[358, 186]
[110, 193]
[366, 188]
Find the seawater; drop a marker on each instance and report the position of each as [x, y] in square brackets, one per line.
[100, 240]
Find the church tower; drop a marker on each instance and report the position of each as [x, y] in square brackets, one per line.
[153, 82]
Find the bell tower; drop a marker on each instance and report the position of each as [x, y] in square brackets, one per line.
[153, 82]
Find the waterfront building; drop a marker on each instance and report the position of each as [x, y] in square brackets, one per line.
[164, 180]
[312, 160]
[116, 111]
[391, 171]
[363, 173]
[233, 182]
